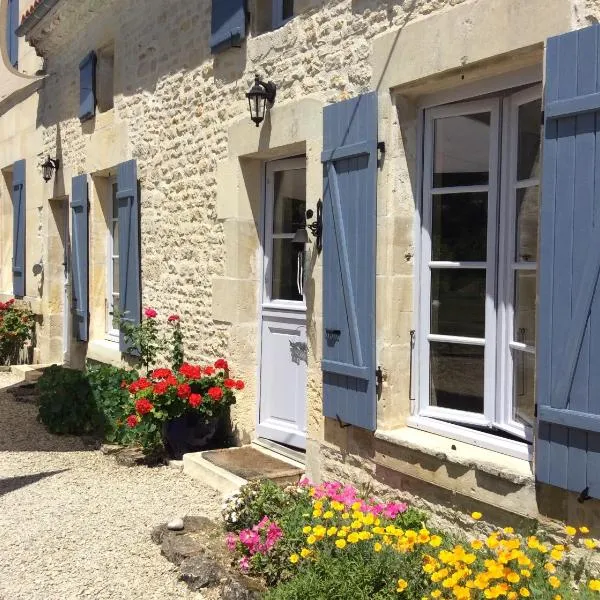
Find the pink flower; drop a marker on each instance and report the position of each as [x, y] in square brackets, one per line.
[150, 313]
[244, 564]
[231, 541]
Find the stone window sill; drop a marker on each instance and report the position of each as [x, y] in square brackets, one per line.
[514, 470]
[105, 351]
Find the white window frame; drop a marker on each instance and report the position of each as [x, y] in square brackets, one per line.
[497, 389]
[112, 334]
[278, 20]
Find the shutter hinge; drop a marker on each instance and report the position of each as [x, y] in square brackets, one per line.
[341, 423]
[585, 495]
[543, 117]
[381, 155]
[535, 410]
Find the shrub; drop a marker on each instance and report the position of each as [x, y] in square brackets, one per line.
[67, 404]
[109, 389]
[16, 328]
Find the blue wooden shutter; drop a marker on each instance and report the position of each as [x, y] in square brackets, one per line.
[129, 245]
[12, 23]
[19, 229]
[80, 257]
[87, 87]
[228, 24]
[568, 353]
[349, 231]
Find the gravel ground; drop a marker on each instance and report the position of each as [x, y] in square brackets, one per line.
[74, 524]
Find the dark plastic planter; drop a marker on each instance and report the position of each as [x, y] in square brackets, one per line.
[188, 433]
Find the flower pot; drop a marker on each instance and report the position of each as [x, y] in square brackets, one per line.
[188, 433]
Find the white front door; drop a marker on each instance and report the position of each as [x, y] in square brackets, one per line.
[282, 400]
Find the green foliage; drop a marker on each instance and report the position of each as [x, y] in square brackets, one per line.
[142, 339]
[16, 328]
[109, 389]
[67, 404]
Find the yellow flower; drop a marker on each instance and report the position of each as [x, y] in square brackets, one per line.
[436, 594]
[554, 581]
[345, 515]
[513, 577]
[338, 506]
[558, 597]
[316, 513]
[556, 554]
[508, 530]
[402, 585]
[584, 529]
[550, 567]
[570, 530]
[307, 529]
[435, 541]
[377, 547]
[305, 552]
[332, 531]
[311, 539]
[591, 544]
[477, 544]
[341, 544]
[328, 514]
[594, 585]
[524, 592]
[294, 558]
[526, 572]
[318, 505]
[353, 538]
[476, 515]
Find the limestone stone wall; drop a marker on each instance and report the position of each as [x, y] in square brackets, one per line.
[182, 114]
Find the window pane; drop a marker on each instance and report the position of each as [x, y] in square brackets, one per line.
[115, 238]
[115, 263]
[115, 304]
[456, 376]
[288, 9]
[527, 224]
[285, 270]
[524, 387]
[458, 302]
[525, 284]
[289, 213]
[115, 202]
[528, 157]
[459, 227]
[461, 150]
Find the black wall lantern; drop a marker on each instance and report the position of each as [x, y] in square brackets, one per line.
[49, 167]
[316, 228]
[258, 96]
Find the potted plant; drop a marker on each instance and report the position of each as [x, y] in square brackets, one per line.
[179, 410]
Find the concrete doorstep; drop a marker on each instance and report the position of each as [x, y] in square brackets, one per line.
[227, 470]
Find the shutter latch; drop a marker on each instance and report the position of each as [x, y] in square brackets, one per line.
[585, 495]
[381, 151]
[379, 379]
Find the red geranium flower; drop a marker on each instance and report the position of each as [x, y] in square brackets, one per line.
[173, 318]
[190, 371]
[184, 390]
[195, 400]
[221, 364]
[143, 406]
[161, 373]
[172, 380]
[216, 393]
[239, 384]
[140, 384]
[229, 383]
[132, 421]
[150, 313]
[161, 387]
[209, 370]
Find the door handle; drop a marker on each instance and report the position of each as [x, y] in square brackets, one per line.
[333, 332]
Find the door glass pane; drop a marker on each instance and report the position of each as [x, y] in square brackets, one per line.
[461, 150]
[527, 224]
[459, 227]
[524, 387]
[456, 376]
[285, 270]
[115, 263]
[115, 238]
[458, 302]
[288, 9]
[289, 212]
[115, 304]
[525, 284]
[530, 131]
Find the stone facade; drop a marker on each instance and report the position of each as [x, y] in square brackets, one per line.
[182, 114]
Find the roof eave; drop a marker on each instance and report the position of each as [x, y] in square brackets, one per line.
[34, 18]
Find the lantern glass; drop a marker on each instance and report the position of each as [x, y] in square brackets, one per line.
[47, 169]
